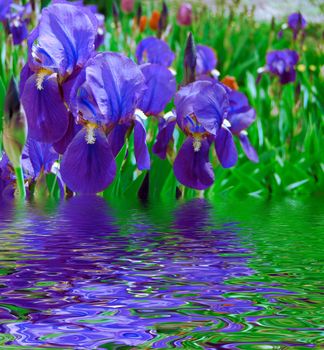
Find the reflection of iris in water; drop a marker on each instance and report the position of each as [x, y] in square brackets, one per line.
[93, 287]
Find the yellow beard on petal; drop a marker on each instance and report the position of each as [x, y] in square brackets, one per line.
[40, 76]
[197, 142]
[90, 136]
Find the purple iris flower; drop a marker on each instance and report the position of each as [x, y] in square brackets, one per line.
[104, 100]
[296, 22]
[201, 109]
[16, 19]
[206, 60]
[283, 64]
[161, 87]
[58, 47]
[240, 116]
[154, 50]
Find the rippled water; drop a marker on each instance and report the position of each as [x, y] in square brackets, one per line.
[87, 274]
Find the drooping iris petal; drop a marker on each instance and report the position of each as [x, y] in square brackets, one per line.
[161, 86]
[41, 155]
[72, 129]
[108, 89]
[140, 147]
[153, 50]
[208, 101]
[116, 138]
[193, 168]
[66, 37]
[45, 111]
[206, 59]
[225, 148]
[283, 64]
[241, 115]
[166, 128]
[248, 148]
[88, 168]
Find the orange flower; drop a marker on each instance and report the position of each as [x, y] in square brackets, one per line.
[230, 82]
[154, 21]
[142, 23]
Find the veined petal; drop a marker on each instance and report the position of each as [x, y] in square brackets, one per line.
[140, 147]
[208, 101]
[88, 168]
[45, 111]
[109, 88]
[225, 148]
[161, 86]
[42, 155]
[206, 59]
[66, 35]
[248, 148]
[166, 128]
[192, 168]
[154, 50]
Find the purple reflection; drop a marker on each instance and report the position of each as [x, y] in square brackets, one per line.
[85, 277]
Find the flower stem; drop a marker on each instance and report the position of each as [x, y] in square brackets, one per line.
[20, 182]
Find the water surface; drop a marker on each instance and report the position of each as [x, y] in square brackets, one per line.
[88, 274]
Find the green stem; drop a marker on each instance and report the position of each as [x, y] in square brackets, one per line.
[20, 182]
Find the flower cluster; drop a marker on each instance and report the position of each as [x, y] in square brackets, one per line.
[83, 106]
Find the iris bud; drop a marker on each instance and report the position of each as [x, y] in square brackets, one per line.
[190, 59]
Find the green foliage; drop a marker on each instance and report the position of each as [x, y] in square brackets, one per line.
[288, 132]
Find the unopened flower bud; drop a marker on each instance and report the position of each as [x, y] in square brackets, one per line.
[190, 59]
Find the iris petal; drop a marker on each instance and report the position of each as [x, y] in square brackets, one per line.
[166, 128]
[45, 111]
[140, 147]
[67, 35]
[161, 86]
[88, 168]
[193, 168]
[248, 148]
[225, 148]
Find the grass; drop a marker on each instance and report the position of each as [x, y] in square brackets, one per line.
[288, 133]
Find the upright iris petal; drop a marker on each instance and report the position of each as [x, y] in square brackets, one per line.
[66, 36]
[4, 9]
[108, 89]
[283, 64]
[206, 60]
[193, 168]
[153, 50]
[161, 86]
[88, 167]
[206, 101]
